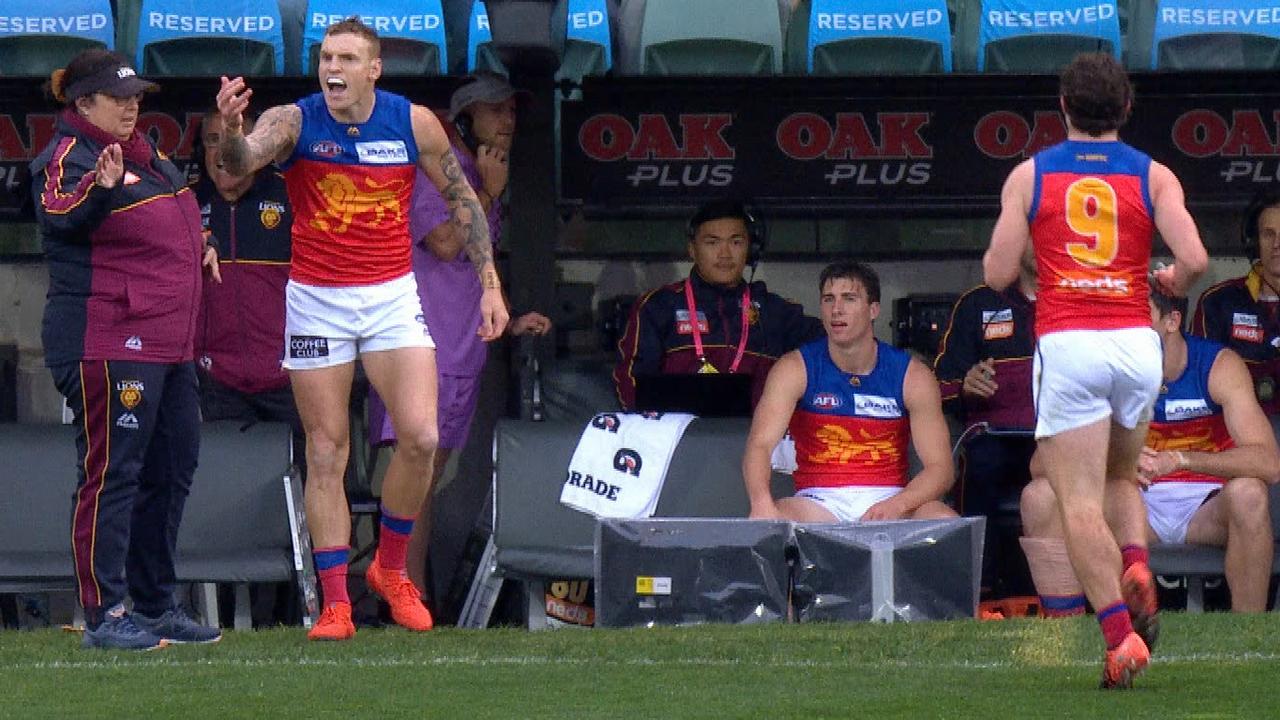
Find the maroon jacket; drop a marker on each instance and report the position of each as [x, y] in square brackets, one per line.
[659, 338]
[124, 263]
[989, 324]
[240, 329]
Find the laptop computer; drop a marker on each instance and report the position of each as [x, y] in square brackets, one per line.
[705, 395]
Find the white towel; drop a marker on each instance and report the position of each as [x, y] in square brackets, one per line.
[620, 463]
[783, 458]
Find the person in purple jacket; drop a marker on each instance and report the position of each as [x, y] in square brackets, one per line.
[483, 114]
[121, 233]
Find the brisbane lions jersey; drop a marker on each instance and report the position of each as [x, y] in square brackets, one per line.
[1091, 223]
[851, 430]
[350, 187]
[1186, 418]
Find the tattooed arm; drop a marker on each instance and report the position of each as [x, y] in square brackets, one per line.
[466, 215]
[273, 137]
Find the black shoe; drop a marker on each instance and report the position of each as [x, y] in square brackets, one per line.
[177, 627]
[119, 632]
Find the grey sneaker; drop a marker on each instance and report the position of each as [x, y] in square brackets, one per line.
[119, 632]
[177, 627]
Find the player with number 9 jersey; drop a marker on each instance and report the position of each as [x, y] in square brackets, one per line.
[1091, 223]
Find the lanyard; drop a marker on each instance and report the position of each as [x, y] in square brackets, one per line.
[697, 334]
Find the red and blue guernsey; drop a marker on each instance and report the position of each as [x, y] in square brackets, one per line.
[1091, 222]
[851, 430]
[350, 187]
[1186, 418]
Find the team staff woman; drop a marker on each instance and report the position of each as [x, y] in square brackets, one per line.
[121, 232]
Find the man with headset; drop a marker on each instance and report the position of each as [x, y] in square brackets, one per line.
[1243, 313]
[483, 114]
[713, 321]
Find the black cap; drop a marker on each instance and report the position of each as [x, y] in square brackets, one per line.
[118, 79]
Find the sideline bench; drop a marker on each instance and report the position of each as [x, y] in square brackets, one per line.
[242, 522]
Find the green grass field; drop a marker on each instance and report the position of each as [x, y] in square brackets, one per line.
[1208, 666]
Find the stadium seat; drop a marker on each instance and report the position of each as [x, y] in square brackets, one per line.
[883, 37]
[411, 33]
[588, 44]
[210, 37]
[28, 47]
[1204, 35]
[1034, 37]
[481, 55]
[711, 37]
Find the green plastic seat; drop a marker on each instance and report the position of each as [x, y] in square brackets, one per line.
[711, 37]
[878, 56]
[39, 55]
[208, 56]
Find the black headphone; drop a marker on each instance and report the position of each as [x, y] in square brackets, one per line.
[466, 132]
[717, 209]
[1268, 196]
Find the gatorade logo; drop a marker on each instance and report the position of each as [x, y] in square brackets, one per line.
[628, 461]
[606, 421]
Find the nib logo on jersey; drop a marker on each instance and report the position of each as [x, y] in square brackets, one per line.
[1110, 285]
[894, 153]
[690, 153]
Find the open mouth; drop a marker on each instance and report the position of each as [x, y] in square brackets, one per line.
[335, 83]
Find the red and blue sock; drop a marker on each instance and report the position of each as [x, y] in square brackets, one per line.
[331, 568]
[393, 540]
[1115, 623]
[1061, 605]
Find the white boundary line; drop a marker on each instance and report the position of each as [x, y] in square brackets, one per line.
[152, 661]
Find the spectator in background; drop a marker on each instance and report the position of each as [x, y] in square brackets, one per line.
[713, 320]
[984, 368]
[1243, 313]
[483, 113]
[240, 329]
[121, 233]
[1208, 459]
[852, 404]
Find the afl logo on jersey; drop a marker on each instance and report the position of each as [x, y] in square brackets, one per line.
[326, 149]
[829, 401]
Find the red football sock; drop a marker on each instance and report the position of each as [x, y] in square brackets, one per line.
[1115, 623]
[1134, 554]
[393, 540]
[331, 568]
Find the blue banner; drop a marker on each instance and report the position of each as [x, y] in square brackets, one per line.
[1176, 18]
[177, 19]
[1003, 19]
[588, 21]
[835, 20]
[90, 19]
[421, 20]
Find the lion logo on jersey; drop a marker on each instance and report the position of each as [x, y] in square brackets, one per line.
[842, 447]
[344, 202]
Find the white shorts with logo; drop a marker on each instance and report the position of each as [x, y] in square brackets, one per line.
[1171, 505]
[327, 326]
[848, 504]
[1082, 376]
